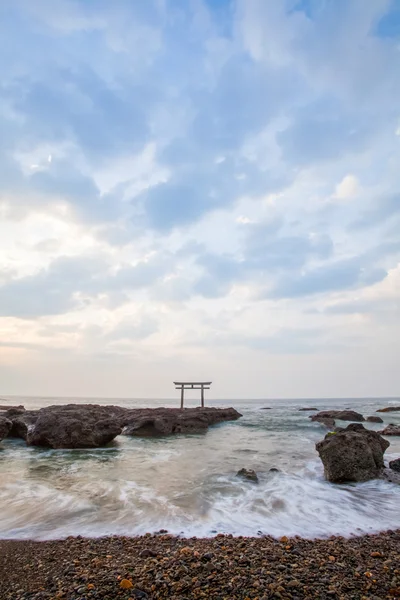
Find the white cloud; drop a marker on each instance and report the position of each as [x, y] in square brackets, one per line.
[348, 188]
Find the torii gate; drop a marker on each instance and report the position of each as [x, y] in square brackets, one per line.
[191, 385]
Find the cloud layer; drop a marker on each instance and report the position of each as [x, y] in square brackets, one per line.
[201, 189]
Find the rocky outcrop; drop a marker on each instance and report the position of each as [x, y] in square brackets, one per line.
[167, 421]
[353, 454]
[342, 415]
[395, 465]
[5, 427]
[374, 419]
[248, 474]
[389, 409]
[391, 430]
[306, 408]
[92, 425]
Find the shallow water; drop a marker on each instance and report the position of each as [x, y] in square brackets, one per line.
[187, 484]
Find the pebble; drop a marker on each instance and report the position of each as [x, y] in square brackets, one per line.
[221, 568]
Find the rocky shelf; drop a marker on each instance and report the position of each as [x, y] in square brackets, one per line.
[93, 425]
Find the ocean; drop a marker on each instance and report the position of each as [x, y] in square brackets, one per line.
[187, 484]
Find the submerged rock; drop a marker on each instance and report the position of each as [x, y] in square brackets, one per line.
[248, 474]
[374, 419]
[389, 409]
[342, 415]
[391, 430]
[5, 427]
[328, 422]
[353, 454]
[395, 464]
[306, 408]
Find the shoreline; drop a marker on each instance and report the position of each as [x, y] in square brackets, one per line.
[222, 567]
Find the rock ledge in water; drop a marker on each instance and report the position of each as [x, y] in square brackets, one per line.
[342, 415]
[389, 409]
[307, 408]
[374, 419]
[5, 427]
[390, 430]
[353, 454]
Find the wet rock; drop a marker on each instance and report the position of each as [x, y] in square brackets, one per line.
[266, 408]
[374, 419]
[391, 475]
[306, 408]
[5, 427]
[274, 470]
[395, 464]
[389, 409]
[342, 415]
[79, 428]
[326, 421]
[354, 454]
[391, 430]
[248, 474]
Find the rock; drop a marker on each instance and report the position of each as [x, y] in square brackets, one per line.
[342, 415]
[328, 422]
[167, 421]
[389, 409]
[354, 454]
[5, 427]
[274, 470]
[374, 419]
[12, 409]
[92, 425]
[266, 408]
[313, 408]
[390, 430]
[78, 428]
[395, 464]
[391, 475]
[248, 474]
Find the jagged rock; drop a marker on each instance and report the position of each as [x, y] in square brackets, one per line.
[395, 464]
[72, 429]
[92, 425]
[374, 419]
[306, 408]
[248, 474]
[342, 415]
[391, 429]
[328, 422]
[389, 409]
[167, 421]
[353, 454]
[5, 427]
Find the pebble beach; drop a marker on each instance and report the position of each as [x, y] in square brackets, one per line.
[219, 568]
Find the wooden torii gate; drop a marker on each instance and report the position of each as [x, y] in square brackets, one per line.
[192, 385]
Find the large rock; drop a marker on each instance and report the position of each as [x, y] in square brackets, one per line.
[342, 415]
[391, 430]
[353, 454]
[77, 428]
[5, 427]
[167, 421]
[374, 419]
[389, 409]
[92, 425]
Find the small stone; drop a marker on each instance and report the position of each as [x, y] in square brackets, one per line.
[126, 584]
[248, 474]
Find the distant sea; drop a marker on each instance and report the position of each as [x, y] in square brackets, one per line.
[187, 484]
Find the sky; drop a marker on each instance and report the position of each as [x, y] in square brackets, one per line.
[200, 190]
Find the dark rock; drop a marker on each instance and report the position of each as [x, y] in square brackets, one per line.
[374, 419]
[389, 409]
[328, 422]
[395, 464]
[342, 415]
[78, 428]
[148, 553]
[391, 475]
[5, 427]
[354, 454]
[274, 470]
[22, 422]
[391, 430]
[313, 408]
[12, 409]
[266, 408]
[248, 474]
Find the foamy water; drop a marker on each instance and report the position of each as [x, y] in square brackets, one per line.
[187, 484]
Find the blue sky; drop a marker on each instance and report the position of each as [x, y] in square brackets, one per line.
[200, 188]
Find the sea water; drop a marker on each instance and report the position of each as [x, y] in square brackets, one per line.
[187, 484]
